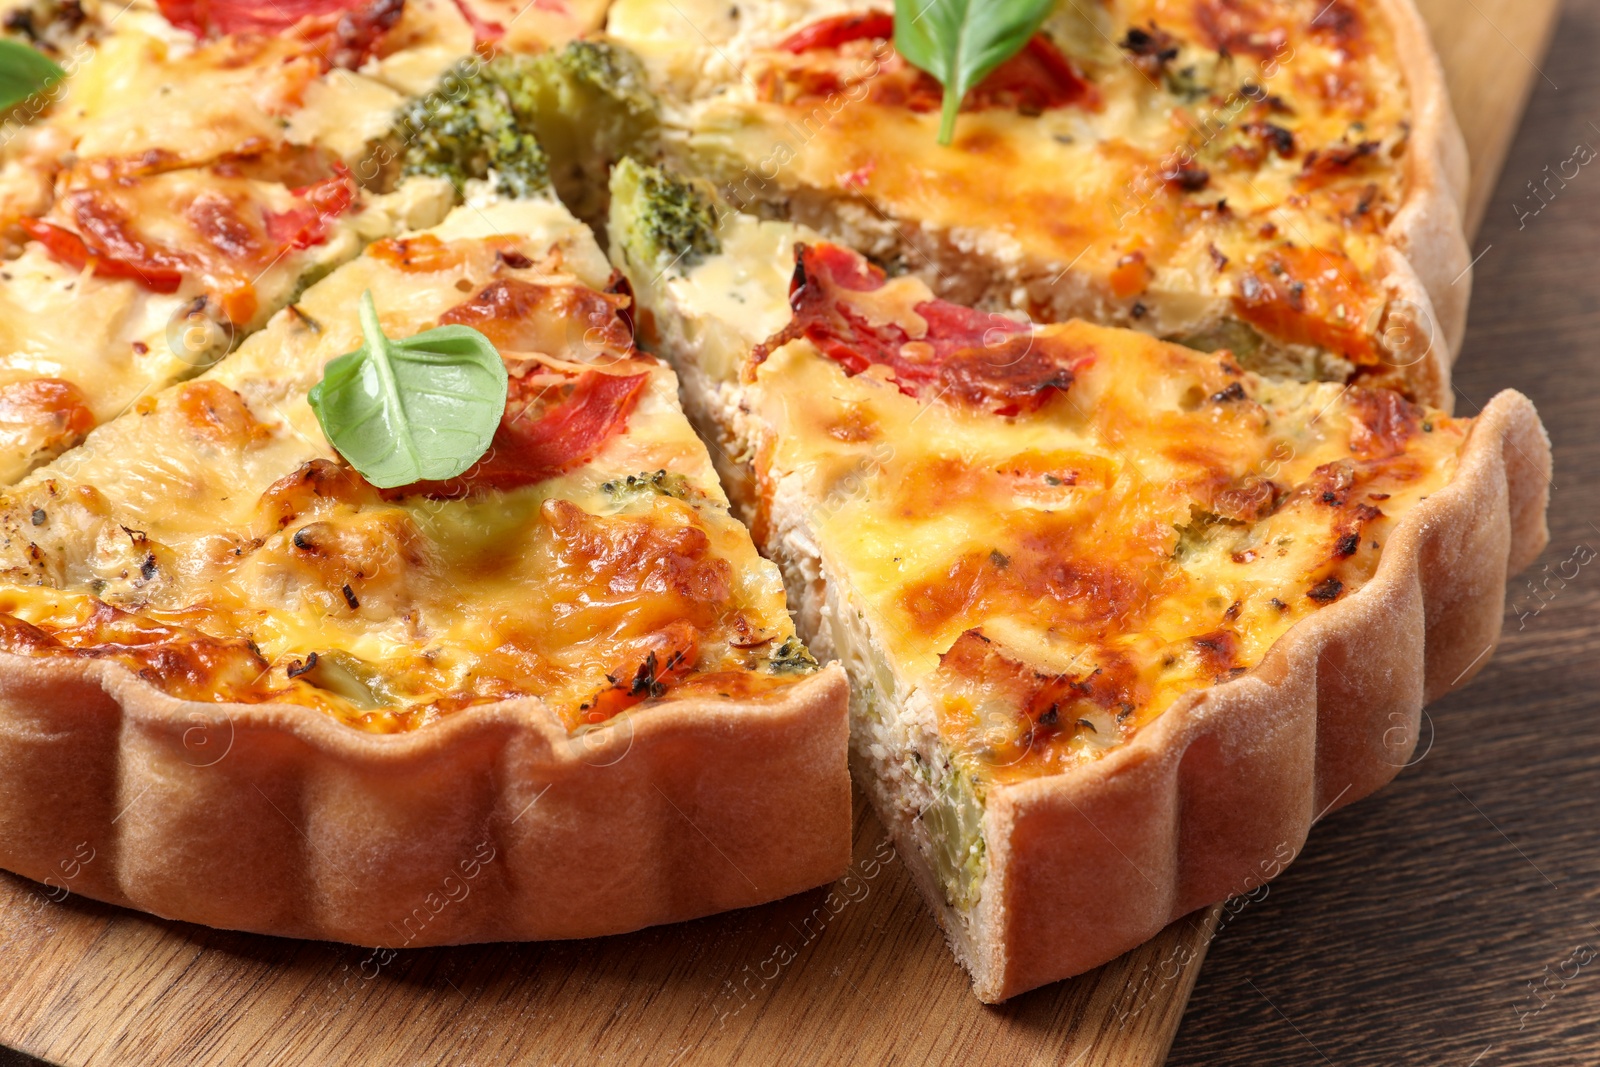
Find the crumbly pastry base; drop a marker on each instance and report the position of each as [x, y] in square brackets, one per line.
[494, 824]
[1212, 798]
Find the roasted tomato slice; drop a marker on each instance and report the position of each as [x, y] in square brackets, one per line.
[939, 351]
[555, 420]
[69, 249]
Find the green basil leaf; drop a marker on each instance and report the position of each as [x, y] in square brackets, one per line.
[960, 41]
[421, 409]
[23, 72]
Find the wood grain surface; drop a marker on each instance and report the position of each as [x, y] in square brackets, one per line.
[870, 980]
[1492, 51]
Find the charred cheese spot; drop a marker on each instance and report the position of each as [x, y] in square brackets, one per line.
[218, 414]
[627, 559]
[315, 485]
[1311, 296]
[369, 561]
[571, 321]
[422, 254]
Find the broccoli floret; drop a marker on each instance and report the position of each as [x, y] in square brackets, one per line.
[791, 657]
[600, 72]
[593, 106]
[664, 222]
[650, 483]
[475, 123]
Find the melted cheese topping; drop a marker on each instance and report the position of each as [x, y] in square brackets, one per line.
[150, 88]
[1229, 179]
[113, 340]
[212, 540]
[1085, 543]
[1150, 522]
[191, 169]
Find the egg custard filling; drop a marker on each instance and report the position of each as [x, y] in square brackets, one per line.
[202, 164]
[212, 541]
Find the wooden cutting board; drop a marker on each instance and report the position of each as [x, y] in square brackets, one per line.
[867, 979]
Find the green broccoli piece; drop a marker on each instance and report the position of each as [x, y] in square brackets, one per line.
[664, 222]
[791, 657]
[592, 107]
[594, 71]
[475, 123]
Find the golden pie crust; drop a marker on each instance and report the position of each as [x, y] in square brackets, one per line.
[494, 824]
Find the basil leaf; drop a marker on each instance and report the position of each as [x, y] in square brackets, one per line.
[23, 72]
[960, 41]
[421, 409]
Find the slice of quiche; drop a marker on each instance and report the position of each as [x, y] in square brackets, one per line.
[1278, 179]
[280, 699]
[1120, 617]
[203, 163]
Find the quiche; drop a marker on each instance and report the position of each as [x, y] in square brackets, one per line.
[1120, 617]
[278, 698]
[1098, 431]
[199, 167]
[1278, 179]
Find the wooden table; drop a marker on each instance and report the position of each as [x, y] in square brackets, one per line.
[82, 982]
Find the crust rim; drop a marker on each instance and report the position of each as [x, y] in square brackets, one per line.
[276, 819]
[1426, 253]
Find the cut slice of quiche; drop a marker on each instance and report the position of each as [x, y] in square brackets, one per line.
[1120, 617]
[1278, 179]
[314, 698]
[203, 164]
